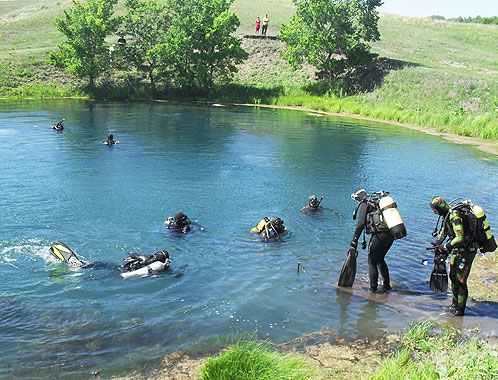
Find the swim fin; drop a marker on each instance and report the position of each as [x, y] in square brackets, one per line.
[62, 252]
[348, 271]
[439, 276]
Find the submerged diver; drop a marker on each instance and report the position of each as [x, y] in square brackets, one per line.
[314, 205]
[110, 140]
[268, 228]
[181, 223]
[461, 245]
[134, 265]
[59, 126]
[370, 219]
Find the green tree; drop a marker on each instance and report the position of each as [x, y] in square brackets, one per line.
[199, 44]
[86, 25]
[147, 22]
[332, 35]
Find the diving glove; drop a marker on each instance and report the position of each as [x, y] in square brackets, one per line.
[444, 248]
[440, 258]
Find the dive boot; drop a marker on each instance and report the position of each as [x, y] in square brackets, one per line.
[459, 311]
[454, 303]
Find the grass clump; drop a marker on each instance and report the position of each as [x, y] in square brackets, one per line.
[252, 360]
[429, 352]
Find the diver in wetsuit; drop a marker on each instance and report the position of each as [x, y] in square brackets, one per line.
[110, 140]
[133, 265]
[268, 228]
[181, 223]
[462, 248]
[314, 205]
[59, 126]
[380, 241]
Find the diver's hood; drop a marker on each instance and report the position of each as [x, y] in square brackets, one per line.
[359, 195]
[440, 205]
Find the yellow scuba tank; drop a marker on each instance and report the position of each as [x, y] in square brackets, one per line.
[484, 236]
[261, 225]
[391, 217]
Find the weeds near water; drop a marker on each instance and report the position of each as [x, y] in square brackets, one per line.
[251, 360]
[431, 352]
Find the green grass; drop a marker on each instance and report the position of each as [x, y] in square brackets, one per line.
[428, 350]
[249, 361]
[456, 48]
[279, 12]
[439, 354]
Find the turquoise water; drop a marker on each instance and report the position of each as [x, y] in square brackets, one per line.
[225, 167]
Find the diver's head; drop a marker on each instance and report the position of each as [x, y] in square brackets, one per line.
[180, 215]
[439, 206]
[181, 218]
[359, 195]
[313, 201]
[162, 256]
[110, 136]
[277, 223]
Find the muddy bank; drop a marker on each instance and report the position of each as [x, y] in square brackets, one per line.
[334, 356]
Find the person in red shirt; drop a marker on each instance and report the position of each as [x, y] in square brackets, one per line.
[258, 23]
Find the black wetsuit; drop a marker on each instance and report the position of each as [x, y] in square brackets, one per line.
[380, 242]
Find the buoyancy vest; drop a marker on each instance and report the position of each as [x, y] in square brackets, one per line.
[382, 215]
[265, 228]
[374, 219]
[475, 225]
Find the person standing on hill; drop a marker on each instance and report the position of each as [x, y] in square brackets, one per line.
[265, 25]
[258, 23]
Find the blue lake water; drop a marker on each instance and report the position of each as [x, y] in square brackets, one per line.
[225, 167]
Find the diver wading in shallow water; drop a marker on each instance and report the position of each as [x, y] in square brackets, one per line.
[314, 205]
[269, 228]
[181, 223]
[377, 216]
[465, 229]
[110, 140]
[135, 265]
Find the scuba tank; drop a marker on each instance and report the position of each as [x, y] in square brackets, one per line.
[261, 226]
[391, 216]
[484, 236]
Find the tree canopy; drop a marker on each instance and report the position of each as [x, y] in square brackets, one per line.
[200, 45]
[185, 43]
[146, 22]
[86, 25]
[331, 35]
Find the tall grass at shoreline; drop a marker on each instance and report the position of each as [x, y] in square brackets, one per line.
[439, 354]
[428, 350]
[250, 360]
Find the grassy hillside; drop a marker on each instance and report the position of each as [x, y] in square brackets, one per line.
[436, 74]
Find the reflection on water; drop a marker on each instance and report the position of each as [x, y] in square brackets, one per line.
[225, 167]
